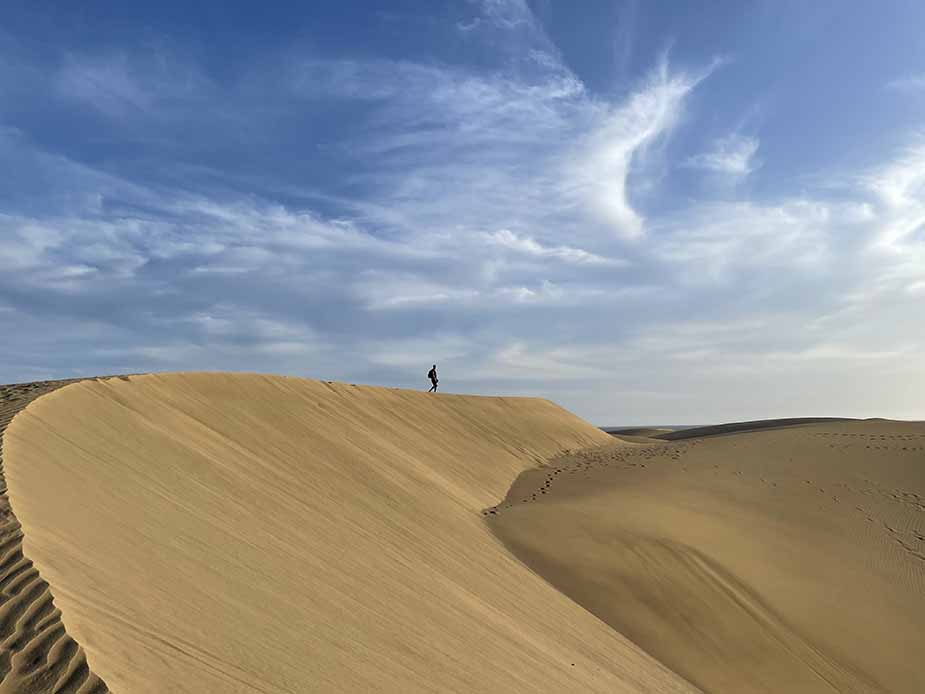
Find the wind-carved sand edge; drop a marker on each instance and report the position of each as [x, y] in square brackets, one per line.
[36, 654]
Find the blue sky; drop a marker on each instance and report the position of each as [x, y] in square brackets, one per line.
[646, 212]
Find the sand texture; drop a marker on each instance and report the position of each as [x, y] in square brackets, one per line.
[36, 655]
[245, 533]
[786, 559]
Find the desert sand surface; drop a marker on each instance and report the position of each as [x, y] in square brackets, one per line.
[36, 654]
[247, 533]
[785, 559]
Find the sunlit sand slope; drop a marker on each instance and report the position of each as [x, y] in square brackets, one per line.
[242, 533]
[788, 560]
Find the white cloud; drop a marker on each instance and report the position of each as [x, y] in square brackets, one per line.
[411, 353]
[120, 85]
[384, 290]
[897, 247]
[108, 85]
[528, 246]
[827, 352]
[900, 183]
[733, 155]
[599, 172]
[530, 149]
[230, 321]
[23, 243]
[508, 14]
[719, 242]
[466, 27]
[519, 360]
[909, 83]
[545, 292]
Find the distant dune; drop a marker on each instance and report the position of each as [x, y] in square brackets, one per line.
[742, 427]
[244, 533]
[247, 533]
[788, 559]
[648, 432]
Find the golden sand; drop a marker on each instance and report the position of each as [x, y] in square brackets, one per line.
[242, 533]
[247, 533]
[783, 560]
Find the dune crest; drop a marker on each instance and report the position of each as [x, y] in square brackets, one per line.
[240, 533]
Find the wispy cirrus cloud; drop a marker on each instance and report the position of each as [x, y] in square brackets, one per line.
[909, 83]
[725, 242]
[733, 155]
[600, 170]
[528, 246]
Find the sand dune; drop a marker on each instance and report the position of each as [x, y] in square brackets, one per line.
[785, 560]
[241, 533]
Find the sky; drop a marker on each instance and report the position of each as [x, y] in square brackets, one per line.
[647, 212]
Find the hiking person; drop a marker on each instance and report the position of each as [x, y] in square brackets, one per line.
[432, 375]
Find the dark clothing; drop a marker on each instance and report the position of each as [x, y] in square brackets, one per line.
[432, 375]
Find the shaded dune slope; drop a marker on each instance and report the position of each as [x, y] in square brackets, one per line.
[742, 427]
[643, 432]
[240, 533]
[783, 560]
[36, 655]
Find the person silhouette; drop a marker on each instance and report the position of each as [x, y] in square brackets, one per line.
[432, 375]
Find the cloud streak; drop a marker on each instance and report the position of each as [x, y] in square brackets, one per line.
[599, 173]
[525, 245]
[733, 155]
[910, 83]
